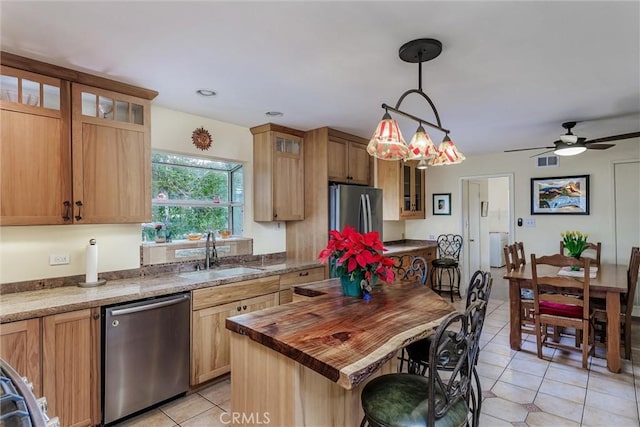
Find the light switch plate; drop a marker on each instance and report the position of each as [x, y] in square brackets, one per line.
[530, 222]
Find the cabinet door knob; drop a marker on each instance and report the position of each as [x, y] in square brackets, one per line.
[96, 316]
[238, 308]
[244, 307]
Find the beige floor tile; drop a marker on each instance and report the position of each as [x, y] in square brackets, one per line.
[187, 407]
[621, 389]
[561, 407]
[613, 404]
[521, 379]
[503, 350]
[544, 419]
[513, 393]
[491, 329]
[218, 392]
[226, 405]
[568, 375]
[488, 420]
[595, 417]
[486, 383]
[565, 391]
[214, 417]
[154, 417]
[538, 367]
[494, 359]
[490, 371]
[504, 409]
[603, 372]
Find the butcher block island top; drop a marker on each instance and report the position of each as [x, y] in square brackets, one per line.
[344, 339]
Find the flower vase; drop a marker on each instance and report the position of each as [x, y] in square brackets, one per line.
[351, 288]
[161, 236]
[575, 267]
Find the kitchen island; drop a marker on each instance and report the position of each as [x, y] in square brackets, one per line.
[305, 363]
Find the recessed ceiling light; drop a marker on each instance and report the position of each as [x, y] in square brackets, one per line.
[273, 114]
[206, 92]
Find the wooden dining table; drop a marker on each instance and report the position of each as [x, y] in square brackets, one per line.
[609, 283]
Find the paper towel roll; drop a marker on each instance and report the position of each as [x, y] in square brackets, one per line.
[92, 262]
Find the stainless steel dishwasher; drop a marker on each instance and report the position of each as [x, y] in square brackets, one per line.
[145, 354]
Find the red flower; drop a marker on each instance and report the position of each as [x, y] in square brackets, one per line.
[357, 253]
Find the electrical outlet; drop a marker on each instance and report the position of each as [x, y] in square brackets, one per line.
[530, 222]
[59, 259]
[432, 237]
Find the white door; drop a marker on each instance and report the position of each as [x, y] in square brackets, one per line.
[474, 226]
[626, 177]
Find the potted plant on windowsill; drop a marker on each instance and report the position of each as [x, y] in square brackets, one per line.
[358, 260]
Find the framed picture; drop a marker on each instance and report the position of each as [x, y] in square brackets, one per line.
[560, 195]
[442, 204]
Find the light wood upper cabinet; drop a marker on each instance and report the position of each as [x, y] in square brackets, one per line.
[20, 347]
[278, 173]
[348, 161]
[111, 157]
[70, 366]
[403, 188]
[71, 153]
[35, 154]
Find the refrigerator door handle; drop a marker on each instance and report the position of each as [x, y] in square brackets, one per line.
[368, 213]
[363, 212]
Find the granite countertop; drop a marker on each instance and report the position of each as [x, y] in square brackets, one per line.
[394, 248]
[343, 338]
[30, 304]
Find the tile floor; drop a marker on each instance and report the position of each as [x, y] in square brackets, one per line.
[519, 389]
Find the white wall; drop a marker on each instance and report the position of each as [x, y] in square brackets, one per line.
[24, 251]
[544, 238]
[498, 214]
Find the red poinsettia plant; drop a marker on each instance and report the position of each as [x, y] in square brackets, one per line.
[358, 255]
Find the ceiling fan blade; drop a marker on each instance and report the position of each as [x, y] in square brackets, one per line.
[614, 138]
[526, 149]
[544, 152]
[600, 146]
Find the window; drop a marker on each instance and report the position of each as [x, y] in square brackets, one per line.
[191, 194]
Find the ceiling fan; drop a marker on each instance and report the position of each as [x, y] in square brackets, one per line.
[570, 144]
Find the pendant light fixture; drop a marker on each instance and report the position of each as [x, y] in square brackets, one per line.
[387, 142]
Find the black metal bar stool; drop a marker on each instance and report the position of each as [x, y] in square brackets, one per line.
[448, 261]
[443, 396]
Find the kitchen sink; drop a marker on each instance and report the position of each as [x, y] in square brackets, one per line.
[219, 273]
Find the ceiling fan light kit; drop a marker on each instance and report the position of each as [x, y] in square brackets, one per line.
[571, 145]
[387, 142]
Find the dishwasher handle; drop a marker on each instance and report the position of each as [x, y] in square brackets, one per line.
[150, 306]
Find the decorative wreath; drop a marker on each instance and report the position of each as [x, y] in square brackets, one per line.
[201, 138]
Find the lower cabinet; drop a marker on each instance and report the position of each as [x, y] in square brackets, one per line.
[20, 347]
[289, 280]
[210, 339]
[71, 366]
[60, 356]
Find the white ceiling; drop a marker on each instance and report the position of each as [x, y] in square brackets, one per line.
[510, 72]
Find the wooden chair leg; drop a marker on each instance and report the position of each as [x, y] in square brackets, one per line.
[585, 343]
[539, 338]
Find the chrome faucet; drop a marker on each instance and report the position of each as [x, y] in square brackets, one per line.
[211, 254]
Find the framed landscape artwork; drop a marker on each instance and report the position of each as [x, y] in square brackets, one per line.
[560, 195]
[442, 204]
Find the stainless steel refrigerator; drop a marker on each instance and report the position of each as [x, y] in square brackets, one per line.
[357, 206]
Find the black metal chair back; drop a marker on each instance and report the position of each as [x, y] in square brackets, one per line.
[409, 268]
[449, 246]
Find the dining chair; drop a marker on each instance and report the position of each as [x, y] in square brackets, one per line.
[449, 248]
[512, 254]
[444, 395]
[562, 301]
[416, 355]
[626, 306]
[593, 251]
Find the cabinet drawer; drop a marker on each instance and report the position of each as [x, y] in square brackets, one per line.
[203, 298]
[303, 276]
